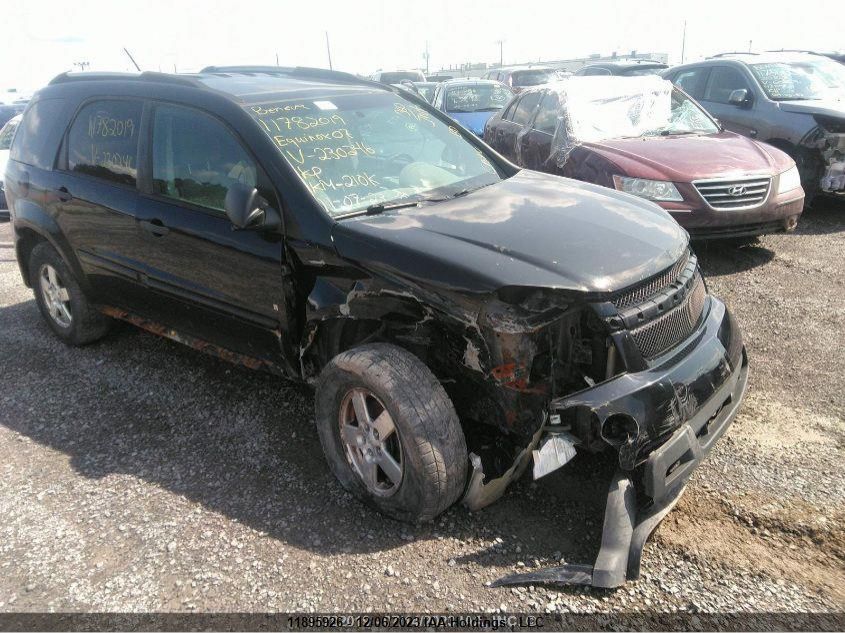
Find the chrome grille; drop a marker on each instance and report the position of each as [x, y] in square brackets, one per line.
[666, 331]
[735, 194]
[640, 293]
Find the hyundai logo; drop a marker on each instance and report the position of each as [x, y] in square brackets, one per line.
[736, 190]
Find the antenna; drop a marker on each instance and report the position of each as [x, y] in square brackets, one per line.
[132, 59]
[329, 51]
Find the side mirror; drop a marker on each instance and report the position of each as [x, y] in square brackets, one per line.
[247, 210]
[740, 97]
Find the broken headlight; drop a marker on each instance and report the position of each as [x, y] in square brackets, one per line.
[660, 190]
[789, 180]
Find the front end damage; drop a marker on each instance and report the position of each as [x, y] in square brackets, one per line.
[828, 140]
[654, 373]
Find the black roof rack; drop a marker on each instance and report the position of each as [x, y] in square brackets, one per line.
[69, 77]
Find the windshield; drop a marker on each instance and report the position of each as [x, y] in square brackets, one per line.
[525, 78]
[799, 80]
[647, 70]
[685, 117]
[6, 135]
[477, 98]
[357, 150]
[397, 76]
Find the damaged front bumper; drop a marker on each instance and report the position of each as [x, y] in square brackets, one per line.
[697, 389]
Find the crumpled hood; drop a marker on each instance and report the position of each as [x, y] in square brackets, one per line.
[687, 158]
[473, 121]
[827, 107]
[532, 229]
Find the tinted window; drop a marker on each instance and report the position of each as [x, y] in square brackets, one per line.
[692, 81]
[648, 70]
[7, 134]
[37, 139]
[103, 141]
[525, 109]
[509, 110]
[526, 78]
[593, 70]
[723, 81]
[196, 159]
[546, 120]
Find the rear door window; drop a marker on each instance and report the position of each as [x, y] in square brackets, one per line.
[523, 112]
[692, 81]
[723, 81]
[103, 141]
[546, 120]
[196, 159]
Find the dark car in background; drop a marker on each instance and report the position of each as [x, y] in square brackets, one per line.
[641, 136]
[471, 101]
[457, 316]
[518, 79]
[622, 68]
[794, 101]
[7, 133]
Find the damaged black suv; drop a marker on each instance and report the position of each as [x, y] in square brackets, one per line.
[460, 318]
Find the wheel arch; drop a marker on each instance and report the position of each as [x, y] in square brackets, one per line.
[33, 225]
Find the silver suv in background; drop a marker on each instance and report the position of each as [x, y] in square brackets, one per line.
[794, 101]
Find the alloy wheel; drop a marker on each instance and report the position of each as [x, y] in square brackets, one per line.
[371, 442]
[56, 296]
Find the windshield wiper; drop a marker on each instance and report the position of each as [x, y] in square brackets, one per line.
[379, 207]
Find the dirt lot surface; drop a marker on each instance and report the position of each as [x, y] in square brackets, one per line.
[136, 475]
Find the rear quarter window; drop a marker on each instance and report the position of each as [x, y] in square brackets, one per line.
[37, 139]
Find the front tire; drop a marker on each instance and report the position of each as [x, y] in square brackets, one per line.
[390, 433]
[61, 301]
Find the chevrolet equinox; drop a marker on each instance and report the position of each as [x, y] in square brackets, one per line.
[459, 318]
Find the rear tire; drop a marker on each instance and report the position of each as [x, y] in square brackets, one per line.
[61, 301]
[381, 387]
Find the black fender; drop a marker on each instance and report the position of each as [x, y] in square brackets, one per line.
[31, 223]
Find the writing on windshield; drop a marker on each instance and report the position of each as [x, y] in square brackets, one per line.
[358, 150]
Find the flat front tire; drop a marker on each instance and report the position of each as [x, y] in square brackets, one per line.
[390, 433]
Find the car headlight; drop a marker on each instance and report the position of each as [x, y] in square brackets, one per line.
[661, 190]
[789, 180]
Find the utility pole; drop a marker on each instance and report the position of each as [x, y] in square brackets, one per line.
[684, 42]
[132, 59]
[501, 57]
[749, 45]
[425, 55]
[329, 51]
[277, 58]
[82, 65]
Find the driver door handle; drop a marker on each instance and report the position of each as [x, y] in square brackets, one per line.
[155, 227]
[63, 195]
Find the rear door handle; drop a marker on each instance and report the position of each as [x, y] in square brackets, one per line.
[154, 227]
[63, 194]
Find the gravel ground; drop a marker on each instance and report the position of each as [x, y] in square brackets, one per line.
[139, 475]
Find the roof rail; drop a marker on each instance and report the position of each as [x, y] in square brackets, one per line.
[70, 77]
[732, 53]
